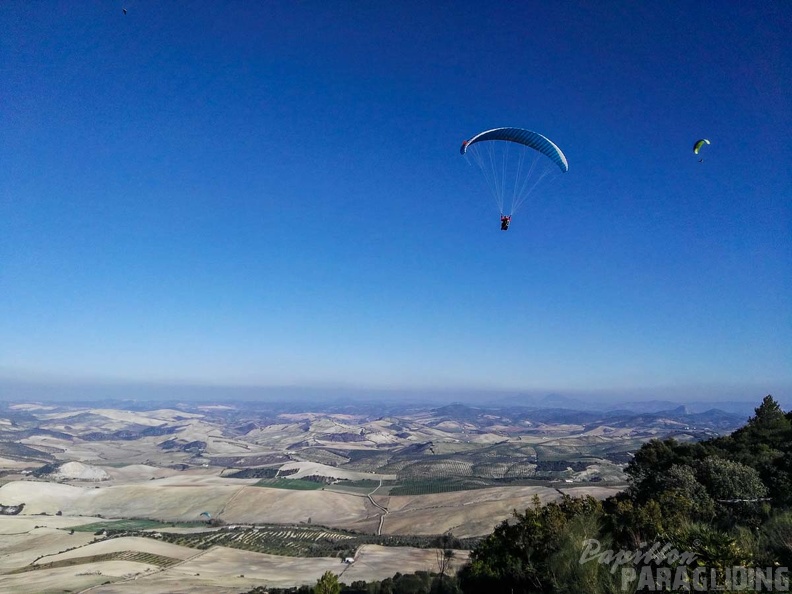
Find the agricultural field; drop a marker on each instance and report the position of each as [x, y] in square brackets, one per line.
[132, 556]
[292, 541]
[365, 484]
[294, 484]
[324, 456]
[229, 571]
[252, 491]
[133, 525]
[447, 485]
[365, 487]
[427, 486]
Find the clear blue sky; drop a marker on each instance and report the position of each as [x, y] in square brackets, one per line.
[271, 193]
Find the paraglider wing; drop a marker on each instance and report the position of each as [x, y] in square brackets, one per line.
[699, 144]
[513, 164]
[531, 139]
[207, 514]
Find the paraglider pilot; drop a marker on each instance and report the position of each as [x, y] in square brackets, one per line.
[505, 220]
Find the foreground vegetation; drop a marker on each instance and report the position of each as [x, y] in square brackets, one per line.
[725, 500]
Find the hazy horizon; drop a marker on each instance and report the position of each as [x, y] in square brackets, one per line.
[93, 389]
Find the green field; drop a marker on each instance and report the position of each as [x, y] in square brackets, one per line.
[425, 487]
[296, 484]
[133, 525]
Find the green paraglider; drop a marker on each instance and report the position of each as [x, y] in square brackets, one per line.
[699, 144]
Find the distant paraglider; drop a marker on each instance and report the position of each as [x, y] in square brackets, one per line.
[697, 147]
[207, 514]
[513, 162]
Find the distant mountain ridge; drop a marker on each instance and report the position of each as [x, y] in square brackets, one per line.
[559, 401]
[713, 419]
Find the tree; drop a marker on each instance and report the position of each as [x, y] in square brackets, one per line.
[567, 570]
[445, 553]
[517, 556]
[765, 443]
[726, 480]
[327, 584]
[444, 559]
[634, 523]
[412, 583]
[447, 541]
[684, 497]
[650, 463]
[769, 424]
[715, 548]
[442, 584]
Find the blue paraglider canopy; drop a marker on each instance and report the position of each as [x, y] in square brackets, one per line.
[531, 139]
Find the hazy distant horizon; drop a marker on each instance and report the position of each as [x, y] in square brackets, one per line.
[61, 389]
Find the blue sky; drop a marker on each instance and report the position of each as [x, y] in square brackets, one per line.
[271, 193]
